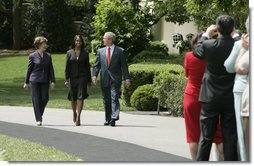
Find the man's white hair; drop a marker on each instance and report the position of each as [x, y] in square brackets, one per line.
[110, 35]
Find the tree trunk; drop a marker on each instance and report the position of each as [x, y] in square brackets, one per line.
[16, 21]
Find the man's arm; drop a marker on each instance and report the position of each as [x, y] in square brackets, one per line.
[124, 66]
[96, 67]
[125, 69]
[199, 50]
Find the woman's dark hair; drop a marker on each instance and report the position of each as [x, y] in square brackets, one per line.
[195, 39]
[75, 38]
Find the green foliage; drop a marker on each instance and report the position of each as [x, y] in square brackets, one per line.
[52, 19]
[142, 74]
[146, 55]
[172, 59]
[142, 98]
[13, 149]
[169, 89]
[183, 46]
[92, 59]
[83, 12]
[158, 46]
[4, 156]
[5, 26]
[130, 25]
[95, 45]
[174, 11]
[156, 50]
[205, 12]
[202, 12]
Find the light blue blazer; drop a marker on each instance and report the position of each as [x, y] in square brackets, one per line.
[240, 80]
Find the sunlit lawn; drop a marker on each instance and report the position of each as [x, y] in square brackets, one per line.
[12, 76]
[13, 149]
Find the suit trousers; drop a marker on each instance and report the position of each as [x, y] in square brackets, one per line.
[111, 102]
[40, 97]
[209, 120]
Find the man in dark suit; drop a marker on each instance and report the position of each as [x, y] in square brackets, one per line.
[40, 73]
[216, 93]
[112, 65]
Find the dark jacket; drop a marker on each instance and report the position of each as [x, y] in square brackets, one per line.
[113, 72]
[217, 83]
[76, 68]
[40, 70]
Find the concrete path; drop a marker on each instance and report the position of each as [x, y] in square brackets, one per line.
[159, 138]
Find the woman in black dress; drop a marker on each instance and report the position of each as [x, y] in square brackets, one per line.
[77, 76]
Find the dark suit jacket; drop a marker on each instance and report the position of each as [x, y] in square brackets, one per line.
[113, 72]
[77, 68]
[40, 69]
[217, 83]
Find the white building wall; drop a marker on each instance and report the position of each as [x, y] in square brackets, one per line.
[163, 31]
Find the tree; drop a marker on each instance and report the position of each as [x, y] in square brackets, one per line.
[130, 20]
[84, 13]
[15, 12]
[52, 19]
[205, 12]
[174, 11]
[6, 25]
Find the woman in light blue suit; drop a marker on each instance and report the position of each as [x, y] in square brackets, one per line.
[239, 87]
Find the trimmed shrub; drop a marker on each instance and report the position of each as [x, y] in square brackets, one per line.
[156, 50]
[142, 98]
[158, 46]
[169, 89]
[142, 74]
[147, 55]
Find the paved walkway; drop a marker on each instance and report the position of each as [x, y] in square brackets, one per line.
[134, 138]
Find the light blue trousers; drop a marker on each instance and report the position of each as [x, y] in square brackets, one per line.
[239, 124]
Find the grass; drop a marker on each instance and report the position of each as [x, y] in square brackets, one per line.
[13, 149]
[12, 76]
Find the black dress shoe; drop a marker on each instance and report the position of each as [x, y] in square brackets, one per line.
[112, 123]
[106, 123]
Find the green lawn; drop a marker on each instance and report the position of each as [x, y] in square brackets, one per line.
[13, 149]
[12, 76]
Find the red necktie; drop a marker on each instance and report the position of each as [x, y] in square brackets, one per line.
[108, 57]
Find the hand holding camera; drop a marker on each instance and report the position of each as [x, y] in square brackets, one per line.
[212, 31]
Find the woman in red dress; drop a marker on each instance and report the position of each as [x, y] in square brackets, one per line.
[194, 69]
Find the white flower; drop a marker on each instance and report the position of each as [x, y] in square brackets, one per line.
[179, 44]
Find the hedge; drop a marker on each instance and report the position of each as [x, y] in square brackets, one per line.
[156, 50]
[147, 55]
[158, 46]
[142, 74]
[169, 89]
[143, 98]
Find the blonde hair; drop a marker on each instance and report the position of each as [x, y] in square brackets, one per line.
[39, 40]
